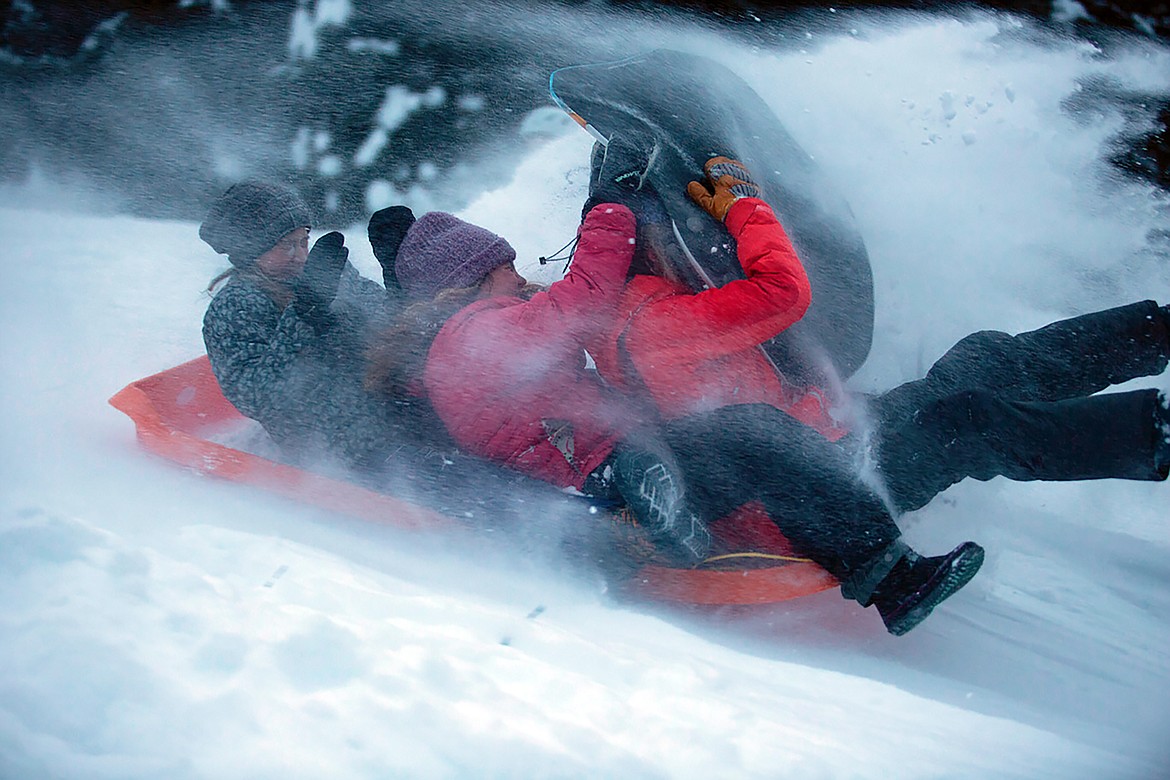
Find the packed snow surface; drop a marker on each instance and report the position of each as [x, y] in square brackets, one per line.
[159, 624]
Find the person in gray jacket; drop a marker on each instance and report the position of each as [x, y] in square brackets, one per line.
[286, 329]
[287, 334]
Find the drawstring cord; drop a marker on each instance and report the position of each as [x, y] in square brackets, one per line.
[557, 256]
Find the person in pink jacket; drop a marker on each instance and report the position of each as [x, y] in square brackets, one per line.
[507, 373]
[502, 363]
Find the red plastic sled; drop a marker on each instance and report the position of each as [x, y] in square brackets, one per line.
[176, 413]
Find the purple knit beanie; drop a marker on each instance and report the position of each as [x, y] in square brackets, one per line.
[441, 251]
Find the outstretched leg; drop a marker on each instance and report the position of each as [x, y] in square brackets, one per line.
[1067, 359]
[981, 435]
[811, 491]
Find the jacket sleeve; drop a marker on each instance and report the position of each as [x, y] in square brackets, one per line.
[252, 346]
[740, 314]
[583, 303]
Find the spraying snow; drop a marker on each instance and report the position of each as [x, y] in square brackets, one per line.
[159, 624]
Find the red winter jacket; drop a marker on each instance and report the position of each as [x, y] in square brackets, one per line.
[508, 376]
[695, 352]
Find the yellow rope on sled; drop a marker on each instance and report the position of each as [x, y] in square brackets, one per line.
[764, 556]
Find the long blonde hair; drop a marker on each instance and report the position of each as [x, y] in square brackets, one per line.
[396, 357]
[281, 294]
[222, 277]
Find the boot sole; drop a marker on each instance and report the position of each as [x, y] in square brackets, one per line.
[963, 563]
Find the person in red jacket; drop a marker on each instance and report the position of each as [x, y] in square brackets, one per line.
[1025, 407]
[504, 368]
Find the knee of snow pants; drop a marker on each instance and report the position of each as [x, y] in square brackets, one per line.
[807, 484]
[977, 434]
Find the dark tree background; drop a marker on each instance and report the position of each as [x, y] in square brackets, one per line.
[159, 104]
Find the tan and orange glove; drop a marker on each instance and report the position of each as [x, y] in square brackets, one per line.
[727, 181]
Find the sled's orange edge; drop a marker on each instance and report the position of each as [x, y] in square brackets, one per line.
[744, 587]
[167, 427]
[206, 457]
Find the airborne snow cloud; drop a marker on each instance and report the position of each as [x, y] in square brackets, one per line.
[160, 624]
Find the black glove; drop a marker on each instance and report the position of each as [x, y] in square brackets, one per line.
[316, 287]
[388, 227]
[621, 176]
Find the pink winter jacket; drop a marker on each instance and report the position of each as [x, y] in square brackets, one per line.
[508, 376]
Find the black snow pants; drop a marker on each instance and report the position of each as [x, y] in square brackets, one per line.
[807, 484]
[1023, 407]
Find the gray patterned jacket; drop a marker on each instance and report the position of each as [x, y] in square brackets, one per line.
[305, 389]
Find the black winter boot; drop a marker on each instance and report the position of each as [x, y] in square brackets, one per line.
[655, 493]
[916, 585]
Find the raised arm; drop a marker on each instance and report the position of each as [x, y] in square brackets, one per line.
[742, 313]
[583, 303]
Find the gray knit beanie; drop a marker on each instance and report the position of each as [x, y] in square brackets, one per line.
[441, 251]
[251, 218]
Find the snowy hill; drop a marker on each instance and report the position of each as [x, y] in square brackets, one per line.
[158, 624]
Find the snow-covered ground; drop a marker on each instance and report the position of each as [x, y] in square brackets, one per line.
[157, 624]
